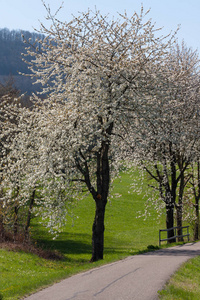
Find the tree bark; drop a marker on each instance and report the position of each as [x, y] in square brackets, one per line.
[196, 226]
[179, 208]
[179, 223]
[29, 215]
[170, 222]
[98, 231]
[103, 184]
[100, 194]
[2, 229]
[15, 225]
[171, 197]
[197, 196]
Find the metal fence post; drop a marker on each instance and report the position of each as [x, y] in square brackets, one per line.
[175, 232]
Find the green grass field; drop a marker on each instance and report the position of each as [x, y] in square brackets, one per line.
[125, 234]
[184, 284]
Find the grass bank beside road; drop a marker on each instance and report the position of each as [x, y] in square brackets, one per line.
[184, 284]
[23, 273]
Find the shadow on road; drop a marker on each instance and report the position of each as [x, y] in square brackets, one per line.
[181, 250]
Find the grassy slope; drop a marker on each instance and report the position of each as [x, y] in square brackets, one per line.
[22, 273]
[184, 284]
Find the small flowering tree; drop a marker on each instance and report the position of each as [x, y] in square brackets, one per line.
[30, 180]
[9, 108]
[95, 71]
[192, 197]
[167, 136]
[20, 163]
[30, 186]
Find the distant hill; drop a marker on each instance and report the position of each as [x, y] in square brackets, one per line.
[11, 47]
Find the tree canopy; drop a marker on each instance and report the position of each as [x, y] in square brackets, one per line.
[116, 91]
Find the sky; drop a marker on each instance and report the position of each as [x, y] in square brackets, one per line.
[26, 14]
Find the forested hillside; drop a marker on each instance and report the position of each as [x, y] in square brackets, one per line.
[11, 48]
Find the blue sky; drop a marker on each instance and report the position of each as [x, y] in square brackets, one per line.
[24, 14]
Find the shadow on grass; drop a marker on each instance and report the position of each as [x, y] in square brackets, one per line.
[75, 247]
[68, 244]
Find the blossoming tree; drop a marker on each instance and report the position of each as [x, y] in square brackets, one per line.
[168, 136]
[95, 72]
[9, 108]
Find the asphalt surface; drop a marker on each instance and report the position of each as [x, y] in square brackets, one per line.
[137, 277]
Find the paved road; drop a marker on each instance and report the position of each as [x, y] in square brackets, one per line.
[137, 277]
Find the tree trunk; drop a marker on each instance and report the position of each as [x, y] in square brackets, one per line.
[170, 194]
[98, 231]
[179, 223]
[100, 194]
[29, 215]
[170, 222]
[197, 196]
[2, 230]
[15, 226]
[179, 208]
[103, 184]
[196, 226]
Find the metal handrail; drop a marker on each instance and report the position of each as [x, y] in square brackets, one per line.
[175, 236]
